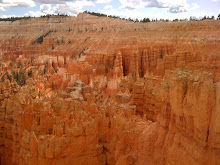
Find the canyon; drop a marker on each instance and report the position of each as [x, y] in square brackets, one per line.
[91, 90]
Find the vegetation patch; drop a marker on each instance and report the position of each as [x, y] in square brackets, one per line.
[40, 39]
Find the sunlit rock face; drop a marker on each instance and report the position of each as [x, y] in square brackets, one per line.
[99, 90]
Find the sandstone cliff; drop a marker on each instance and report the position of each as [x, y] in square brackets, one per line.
[93, 90]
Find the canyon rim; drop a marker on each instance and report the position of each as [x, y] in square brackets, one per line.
[91, 90]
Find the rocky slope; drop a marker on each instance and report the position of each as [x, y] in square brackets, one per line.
[96, 90]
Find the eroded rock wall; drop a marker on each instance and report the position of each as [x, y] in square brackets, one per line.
[105, 91]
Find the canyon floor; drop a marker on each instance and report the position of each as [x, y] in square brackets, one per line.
[91, 90]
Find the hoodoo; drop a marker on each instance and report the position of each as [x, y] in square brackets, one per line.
[91, 90]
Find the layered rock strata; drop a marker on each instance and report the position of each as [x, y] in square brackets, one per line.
[99, 90]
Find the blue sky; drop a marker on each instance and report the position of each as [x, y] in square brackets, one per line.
[166, 9]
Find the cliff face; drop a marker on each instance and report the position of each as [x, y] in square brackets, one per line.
[93, 90]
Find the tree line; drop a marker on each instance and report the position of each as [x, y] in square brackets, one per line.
[12, 19]
[144, 20]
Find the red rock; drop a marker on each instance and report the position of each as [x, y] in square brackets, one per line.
[119, 92]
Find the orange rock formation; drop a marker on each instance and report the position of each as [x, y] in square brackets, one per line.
[100, 90]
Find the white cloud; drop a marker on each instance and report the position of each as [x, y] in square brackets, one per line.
[2, 9]
[16, 3]
[124, 13]
[46, 8]
[52, 1]
[103, 1]
[69, 8]
[195, 6]
[156, 13]
[108, 7]
[7, 16]
[176, 6]
[215, 0]
[177, 9]
[131, 4]
[66, 1]
[34, 14]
